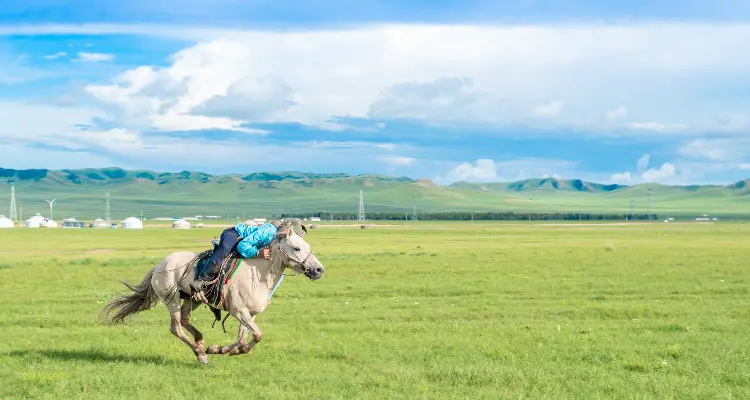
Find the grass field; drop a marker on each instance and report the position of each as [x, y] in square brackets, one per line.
[492, 311]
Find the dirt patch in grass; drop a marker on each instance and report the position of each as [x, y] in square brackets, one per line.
[99, 251]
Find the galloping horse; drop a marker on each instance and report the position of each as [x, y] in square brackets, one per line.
[245, 295]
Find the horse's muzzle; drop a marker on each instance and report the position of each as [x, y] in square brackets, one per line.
[316, 272]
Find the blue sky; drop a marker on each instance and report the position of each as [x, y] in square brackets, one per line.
[445, 90]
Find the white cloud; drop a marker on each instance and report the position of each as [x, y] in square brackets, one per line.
[719, 150]
[617, 115]
[386, 146]
[484, 170]
[398, 160]
[488, 170]
[623, 178]
[667, 173]
[506, 76]
[643, 163]
[252, 99]
[663, 174]
[94, 57]
[656, 126]
[56, 55]
[551, 109]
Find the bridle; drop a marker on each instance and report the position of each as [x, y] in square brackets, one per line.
[306, 269]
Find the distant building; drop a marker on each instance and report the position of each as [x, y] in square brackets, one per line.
[6, 222]
[48, 223]
[99, 223]
[34, 221]
[73, 223]
[181, 224]
[132, 223]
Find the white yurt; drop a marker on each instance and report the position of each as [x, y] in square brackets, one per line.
[250, 222]
[34, 221]
[5, 222]
[100, 223]
[48, 223]
[132, 223]
[181, 224]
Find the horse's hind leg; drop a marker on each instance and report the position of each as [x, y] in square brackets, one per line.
[188, 306]
[176, 329]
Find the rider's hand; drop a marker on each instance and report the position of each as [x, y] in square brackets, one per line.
[265, 253]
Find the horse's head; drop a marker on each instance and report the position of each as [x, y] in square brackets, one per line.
[299, 255]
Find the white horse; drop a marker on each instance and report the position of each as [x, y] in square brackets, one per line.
[245, 295]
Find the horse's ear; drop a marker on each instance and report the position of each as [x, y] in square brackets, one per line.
[283, 232]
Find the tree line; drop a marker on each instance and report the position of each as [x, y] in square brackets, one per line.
[478, 216]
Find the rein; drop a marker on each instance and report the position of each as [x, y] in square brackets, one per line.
[281, 279]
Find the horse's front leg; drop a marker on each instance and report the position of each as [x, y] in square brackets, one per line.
[247, 325]
[248, 320]
[241, 339]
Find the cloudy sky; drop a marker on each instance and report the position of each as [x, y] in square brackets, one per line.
[448, 90]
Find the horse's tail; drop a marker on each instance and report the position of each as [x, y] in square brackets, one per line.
[142, 299]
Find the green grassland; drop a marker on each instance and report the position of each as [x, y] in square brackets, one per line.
[418, 311]
[81, 193]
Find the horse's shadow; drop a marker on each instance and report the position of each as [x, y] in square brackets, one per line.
[94, 356]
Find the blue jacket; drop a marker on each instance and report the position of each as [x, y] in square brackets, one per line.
[254, 238]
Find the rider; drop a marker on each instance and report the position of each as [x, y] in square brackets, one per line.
[253, 242]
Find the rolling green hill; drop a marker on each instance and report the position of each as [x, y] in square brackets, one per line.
[81, 194]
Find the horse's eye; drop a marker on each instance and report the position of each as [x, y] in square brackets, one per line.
[297, 249]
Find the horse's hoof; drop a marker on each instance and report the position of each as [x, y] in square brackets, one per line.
[213, 349]
[202, 358]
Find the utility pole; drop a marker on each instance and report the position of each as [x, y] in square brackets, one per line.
[649, 205]
[13, 214]
[361, 216]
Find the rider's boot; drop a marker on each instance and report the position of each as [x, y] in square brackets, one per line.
[208, 275]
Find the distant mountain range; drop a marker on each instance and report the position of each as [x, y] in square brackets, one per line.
[80, 193]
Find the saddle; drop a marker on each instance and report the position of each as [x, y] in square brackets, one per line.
[214, 290]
